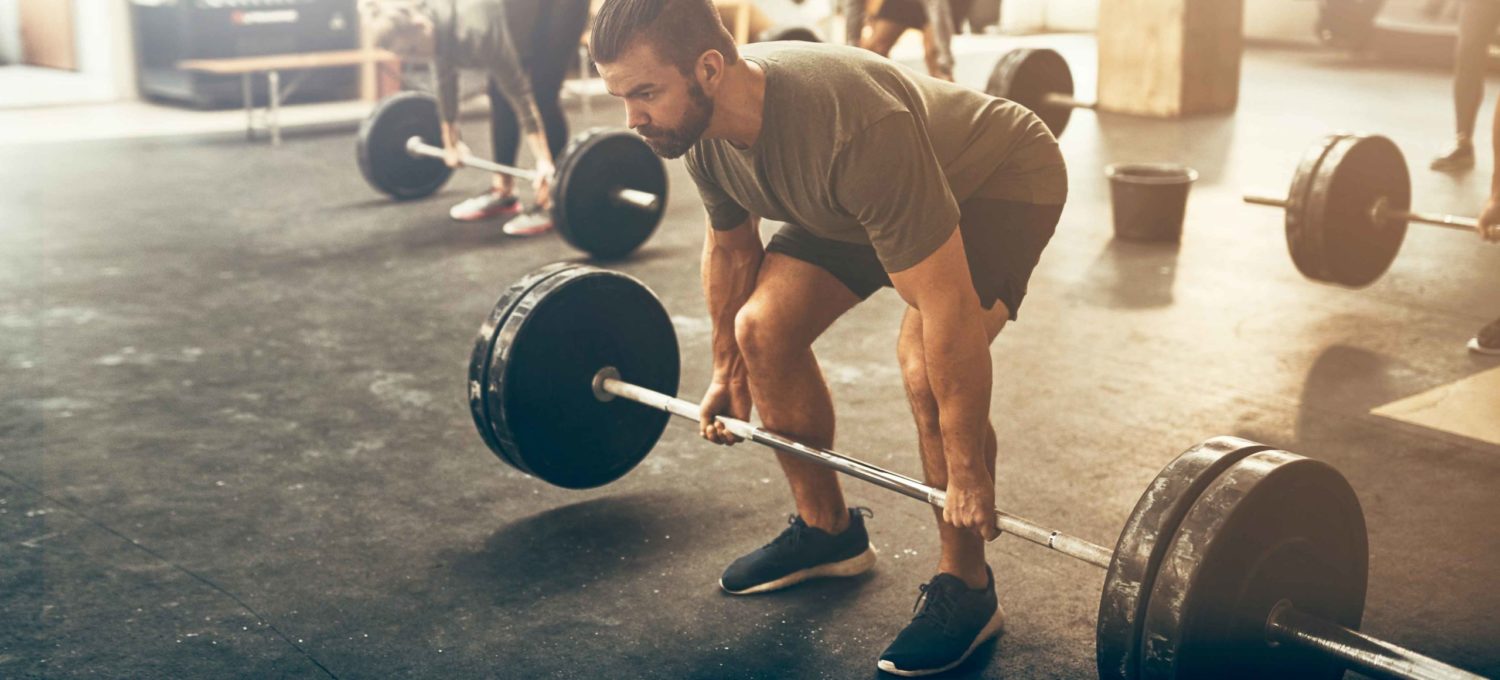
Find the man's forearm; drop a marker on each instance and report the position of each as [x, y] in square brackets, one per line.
[729, 275]
[956, 352]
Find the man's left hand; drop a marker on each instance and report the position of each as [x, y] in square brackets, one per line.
[971, 505]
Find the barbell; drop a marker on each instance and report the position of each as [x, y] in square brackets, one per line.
[1038, 79]
[608, 194]
[1348, 208]
[1239, 560]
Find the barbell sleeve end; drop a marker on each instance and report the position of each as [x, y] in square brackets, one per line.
[417, 148]
[1067, 101]
[1259, 199]
[644, 201]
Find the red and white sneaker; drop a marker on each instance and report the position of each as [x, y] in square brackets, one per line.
[485, 206]
[530, 223]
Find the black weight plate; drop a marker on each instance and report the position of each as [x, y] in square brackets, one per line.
[1304, 241]
[381, 147]
[1147, 533]
[1026, 76]
[1275, 526]
[484, 343]
[1358, 171]
[795, 33]
[595, 164]
[540, 398]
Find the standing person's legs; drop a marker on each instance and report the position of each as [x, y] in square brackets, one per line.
[555, 44]
[882, 36]
[505, 132]
[505, 137]
[1477, 21]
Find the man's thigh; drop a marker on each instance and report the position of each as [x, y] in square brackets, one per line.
[798, 299]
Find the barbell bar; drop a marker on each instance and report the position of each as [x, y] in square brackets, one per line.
[622, 196]
[1380, 211]
[608, 385]
[1239, 559]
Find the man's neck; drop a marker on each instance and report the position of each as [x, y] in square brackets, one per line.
[739, 109]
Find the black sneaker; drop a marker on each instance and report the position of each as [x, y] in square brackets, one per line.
[801, 553]
[1487, 340]
[1458, 157]
[953, 621]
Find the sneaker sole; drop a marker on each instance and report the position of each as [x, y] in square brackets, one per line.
[482, 217]
[529, 231]
[853, 566]
[989, 632]
[1476, 348]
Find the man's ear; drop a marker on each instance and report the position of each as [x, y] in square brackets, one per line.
[710, 71]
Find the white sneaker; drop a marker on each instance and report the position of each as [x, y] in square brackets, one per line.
[485, 206]
[529, 223]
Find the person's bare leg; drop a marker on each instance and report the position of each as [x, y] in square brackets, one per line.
[793, 303]
[1477, 22]
[962, 552]
[882, 36]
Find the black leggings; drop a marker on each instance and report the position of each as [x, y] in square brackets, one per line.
[554, 42]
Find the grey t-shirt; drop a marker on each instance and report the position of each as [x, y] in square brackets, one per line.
[856, 148]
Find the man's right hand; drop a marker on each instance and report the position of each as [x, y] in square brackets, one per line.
[1489, 220]
[731, 398]
[455, 153]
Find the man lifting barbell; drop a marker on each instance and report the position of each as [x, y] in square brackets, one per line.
[525, 47]
[883, 178]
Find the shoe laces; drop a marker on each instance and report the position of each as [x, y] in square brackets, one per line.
[936, 602]
[792, 535]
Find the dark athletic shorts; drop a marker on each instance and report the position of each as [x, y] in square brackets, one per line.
[1002, 239]
[911, 13]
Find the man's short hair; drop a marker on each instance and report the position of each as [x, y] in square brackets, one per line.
[679, 31]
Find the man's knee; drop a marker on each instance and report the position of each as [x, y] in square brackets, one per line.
[759, 334]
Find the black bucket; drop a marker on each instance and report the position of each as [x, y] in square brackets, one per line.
[1149, 199]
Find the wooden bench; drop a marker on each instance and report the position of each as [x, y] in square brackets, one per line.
[273, 64]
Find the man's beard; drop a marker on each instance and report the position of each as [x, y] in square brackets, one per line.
[673, 142]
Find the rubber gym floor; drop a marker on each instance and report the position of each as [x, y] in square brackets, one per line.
[234, 440]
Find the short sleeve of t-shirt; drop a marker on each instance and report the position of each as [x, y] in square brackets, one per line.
[723, 211]
[889, 178]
